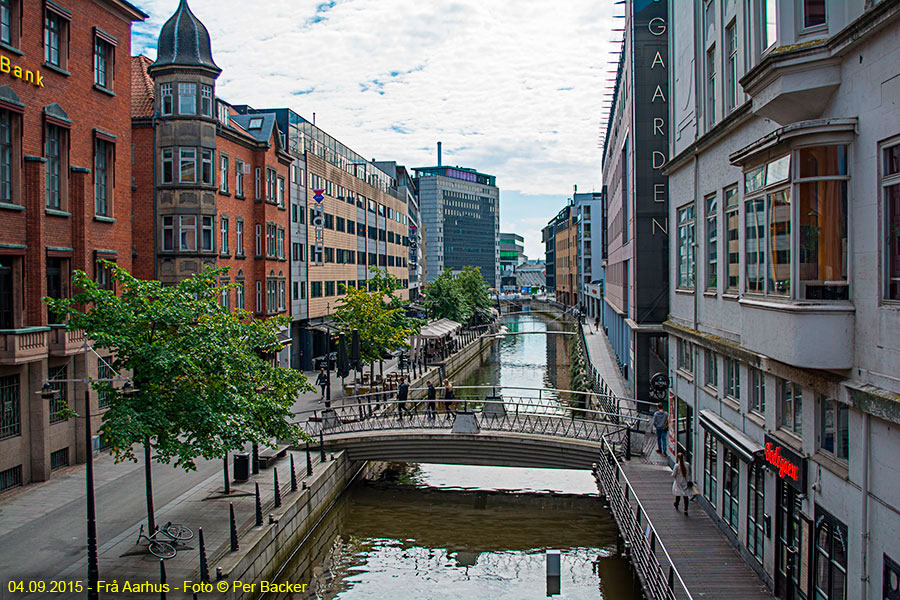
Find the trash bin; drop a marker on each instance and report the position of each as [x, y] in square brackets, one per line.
[241, 466]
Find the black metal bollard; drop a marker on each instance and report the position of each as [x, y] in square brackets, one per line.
[293, 475]
[321, 446]
[227, 476]
[254, 459]
[258, 508]
[308, 461]
[204, 567]
[162, 579]
[235, 546]
[277, 488]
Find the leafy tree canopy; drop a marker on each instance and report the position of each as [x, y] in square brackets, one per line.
[204, 384]
[458, 297]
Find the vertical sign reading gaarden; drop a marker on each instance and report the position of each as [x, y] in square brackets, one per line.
[318, 223]
[651, 113]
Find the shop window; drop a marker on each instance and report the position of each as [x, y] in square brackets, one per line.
[10, 407]
[684, 424]
[830, 569]
[731, 489]
[56, 36]
[813, 13]
[834, 428]
[790, 406]
[756, 508]
[56, 377]
[104, 170]
[710, 467]
[891, 194]
[10, 156]
[104, 59]
[187, 98]
[757, 390]
[10, 22]
[686, 247]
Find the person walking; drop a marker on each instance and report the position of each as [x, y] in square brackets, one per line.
[430, 407]
[661, 424]
[402, 395]
[597, 324]
[322, 381]
[448, 397]
[681, 487]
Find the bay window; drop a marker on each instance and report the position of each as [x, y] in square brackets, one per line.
[206, 167]
[187, 165]
[168, 165]
[732, 241]
[206, 100]
[206, 237]
[187, 233]
[187, 98]
[166, 100]
[168, 234]
[891, 194]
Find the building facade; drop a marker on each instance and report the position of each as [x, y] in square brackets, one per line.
[405, 187]
[461, 211]
[589, 209]
[636, 244]
[512, 254]
[65, 204]
[784, 332]
[548, 237]
[566, 241]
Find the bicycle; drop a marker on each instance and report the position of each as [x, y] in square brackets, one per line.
[157, 548]
[177, 531]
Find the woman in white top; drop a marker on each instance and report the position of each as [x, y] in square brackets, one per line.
[681, 487]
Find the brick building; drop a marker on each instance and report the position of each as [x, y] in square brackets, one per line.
[211, 188]
[65, 203]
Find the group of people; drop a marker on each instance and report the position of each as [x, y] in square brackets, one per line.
[683, 487]
[430, 399]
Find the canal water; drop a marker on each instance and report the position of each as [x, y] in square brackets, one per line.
[440, 532]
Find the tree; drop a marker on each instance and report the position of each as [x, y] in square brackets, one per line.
[444, 299]
[378, 314]
[474, 288]
[204, 384]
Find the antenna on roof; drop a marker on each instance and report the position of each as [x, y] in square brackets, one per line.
[314, 118]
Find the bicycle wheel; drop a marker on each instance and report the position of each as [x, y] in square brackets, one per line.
[162, 549]
[179, 531]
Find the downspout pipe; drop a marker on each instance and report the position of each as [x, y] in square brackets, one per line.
[864, 517]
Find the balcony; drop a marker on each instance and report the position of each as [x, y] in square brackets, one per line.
[64, 342]
[811, 335]
[19, 346]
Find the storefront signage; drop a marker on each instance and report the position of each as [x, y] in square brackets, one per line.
[318, 223]
[786, 463]
[33, 77]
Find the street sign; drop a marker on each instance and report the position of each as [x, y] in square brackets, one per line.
[318, 197]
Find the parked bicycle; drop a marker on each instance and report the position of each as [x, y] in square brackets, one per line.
[158, 548]
[177, 531]
[163, 541]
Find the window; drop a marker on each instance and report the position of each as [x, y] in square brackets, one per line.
[711, 87]
[732, 240]
[104, 372]
[770, 23]
[257, 188]
[270, 240]
[731, 79]
[239, 294]
[58, 400]
[686, 247]
[187, 98]
[239, 235]
[56, 31]
[103, 275]
[754, 245]
[271, 175]
[351, 226]
[685, 356]
[168, 165]
[282, 301]
[10, 411]
[206, 100]
[259, 306]
[281, 192]
[223, 173]
[710, 369]
[104, 167]
[54, 142]
[187, 165]
[710, 467]
[168, 233]
[187, 232]
[712, 242]
[226, 293]
[732, 378]
[813, 13]
[165, 95]
[329, 288]
[756, 508]
[223, 230]
[731, 489]
[259, 240]
[891, 194]
[207, 243]
[757, 390]
[9, 159]
[790, 405]
[831, 557]
[59, 458]
[834, 428]
[239, 177]
[222, 113]
[9, 22]
[10, 478]
[206, 167]
[280, 242]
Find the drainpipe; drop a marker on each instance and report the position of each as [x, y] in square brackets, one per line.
[696, 413]
[864, 528]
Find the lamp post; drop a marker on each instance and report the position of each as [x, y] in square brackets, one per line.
[328, 356]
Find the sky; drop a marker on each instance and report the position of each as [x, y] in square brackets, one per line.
[511, 87]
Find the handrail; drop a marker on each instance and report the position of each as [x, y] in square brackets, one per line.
[661, 585]
[508, 387]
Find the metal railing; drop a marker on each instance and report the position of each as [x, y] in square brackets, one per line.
[649, 556]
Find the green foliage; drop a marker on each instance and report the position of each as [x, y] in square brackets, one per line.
[473, 287]
[378, 314]
[461, 298]
[204, 384]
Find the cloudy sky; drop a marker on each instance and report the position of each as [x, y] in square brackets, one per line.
[511, 87]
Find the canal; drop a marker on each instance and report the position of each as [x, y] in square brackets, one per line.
[424, 531]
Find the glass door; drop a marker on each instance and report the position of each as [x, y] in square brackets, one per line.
[790, 559]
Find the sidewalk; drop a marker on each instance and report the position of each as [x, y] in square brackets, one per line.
[603, 359]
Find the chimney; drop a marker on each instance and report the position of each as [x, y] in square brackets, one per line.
[439, 154]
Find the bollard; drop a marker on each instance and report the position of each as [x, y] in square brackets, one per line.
[258, 507]
[227, 477]
[162, 579]
[308, 461]
[293, 475]
[235, 546]
[277, 488]
[204, 567]
[254, 459]
[321, 447]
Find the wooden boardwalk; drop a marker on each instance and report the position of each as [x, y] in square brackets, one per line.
[710, 567]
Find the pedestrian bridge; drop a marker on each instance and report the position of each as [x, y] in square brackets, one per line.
[484, 426]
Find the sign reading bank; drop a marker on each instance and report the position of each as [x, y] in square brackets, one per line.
[15, 71]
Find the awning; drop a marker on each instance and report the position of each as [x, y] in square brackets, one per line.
[739, 441]
[439, 329]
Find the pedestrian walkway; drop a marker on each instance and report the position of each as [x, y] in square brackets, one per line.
[707, 562]
[601, 356]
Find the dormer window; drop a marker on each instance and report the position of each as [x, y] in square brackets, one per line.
[255, 123]
[222, 113]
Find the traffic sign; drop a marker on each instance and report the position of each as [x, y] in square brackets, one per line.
[318, 197]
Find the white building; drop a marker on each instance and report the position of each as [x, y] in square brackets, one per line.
[784, 262]
[589, 208]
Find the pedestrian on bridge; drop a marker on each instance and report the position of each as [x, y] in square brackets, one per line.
[402, 396]
[448, 397]
[322, 381]
[661, 424]
[430, 406]
[682, 487]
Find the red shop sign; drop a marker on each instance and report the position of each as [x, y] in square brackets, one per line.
[786, 463]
